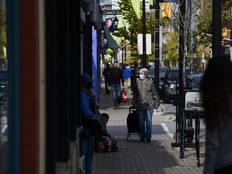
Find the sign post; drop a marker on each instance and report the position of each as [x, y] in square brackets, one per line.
[157, 42]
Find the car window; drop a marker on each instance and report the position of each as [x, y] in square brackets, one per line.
[162, 71]
[187, 72]
[173, 75]
[196, 82]
[152, 70]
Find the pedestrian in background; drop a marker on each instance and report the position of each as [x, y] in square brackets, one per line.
[127, 77]
[146, 100]
[115, 82]
[87, 111]
[216, 94]
[106, 74]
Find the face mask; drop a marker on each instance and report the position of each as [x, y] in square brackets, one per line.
[141, 76]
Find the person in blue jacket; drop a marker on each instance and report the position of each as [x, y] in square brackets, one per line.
[87, 111]
[127, 77]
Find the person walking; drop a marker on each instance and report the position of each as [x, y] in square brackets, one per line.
[87, 111]
[106, 74]
[127, 77]
[146, 100]
[115, 81]
[216, 95]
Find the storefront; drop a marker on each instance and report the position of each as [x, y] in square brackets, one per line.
[49, 44]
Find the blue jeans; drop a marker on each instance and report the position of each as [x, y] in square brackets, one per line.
[87, 149]
[106, 87]
[116, 92]
[145, 122]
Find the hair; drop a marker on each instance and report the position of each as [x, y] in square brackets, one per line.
[144, 71]
[108, 65]
[216, 90]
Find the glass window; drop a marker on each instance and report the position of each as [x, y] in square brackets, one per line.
[173, 75]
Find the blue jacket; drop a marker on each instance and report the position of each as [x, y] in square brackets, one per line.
[89, 110]
[126, 73]
[86, 102]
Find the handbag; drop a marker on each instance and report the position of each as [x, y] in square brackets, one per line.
[123, 96]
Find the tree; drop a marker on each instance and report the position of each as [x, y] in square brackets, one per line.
[171, 48]
[197, 27]
[134, 28]
[2, 27]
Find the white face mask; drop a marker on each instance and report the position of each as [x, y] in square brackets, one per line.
[141, 76]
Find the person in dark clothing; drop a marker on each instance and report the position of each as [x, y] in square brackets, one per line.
[86, 136]
[116, 79]
[105, 142]
[216, 95]
[106, 74]
[92, 122]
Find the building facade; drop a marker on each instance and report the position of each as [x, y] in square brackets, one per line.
[49, 44]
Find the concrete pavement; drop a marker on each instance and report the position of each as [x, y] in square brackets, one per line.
[133, 156]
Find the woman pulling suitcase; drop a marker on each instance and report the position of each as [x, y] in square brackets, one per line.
[146, 100]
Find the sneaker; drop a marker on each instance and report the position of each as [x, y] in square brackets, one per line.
[142, 139]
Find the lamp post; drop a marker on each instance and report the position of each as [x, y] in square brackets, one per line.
[217, 27]
[180, 117]
[157, 42]
[144, 34]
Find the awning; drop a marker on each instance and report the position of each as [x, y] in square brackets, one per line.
[111, 42]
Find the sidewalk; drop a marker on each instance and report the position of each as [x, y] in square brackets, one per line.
[133, 156]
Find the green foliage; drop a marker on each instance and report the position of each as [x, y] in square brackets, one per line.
[112, 53]
[171, 48]
[3, 35]
[135, 26]
[205, 22]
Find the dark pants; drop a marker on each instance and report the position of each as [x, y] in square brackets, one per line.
[224, 170]
[107, 91]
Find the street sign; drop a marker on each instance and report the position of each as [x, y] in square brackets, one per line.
[140, 44]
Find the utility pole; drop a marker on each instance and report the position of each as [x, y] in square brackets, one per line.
[144, 34]
[157, 42]
[217, 28]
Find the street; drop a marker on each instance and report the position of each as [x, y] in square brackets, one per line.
[164, 121]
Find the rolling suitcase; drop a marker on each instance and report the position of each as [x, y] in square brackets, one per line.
[132, 122]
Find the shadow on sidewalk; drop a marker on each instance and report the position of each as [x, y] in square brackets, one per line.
[135, 157]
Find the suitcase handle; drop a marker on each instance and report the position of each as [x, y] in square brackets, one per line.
[132, 109]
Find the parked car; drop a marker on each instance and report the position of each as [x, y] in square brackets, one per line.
[170, 84]
[162, 71]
